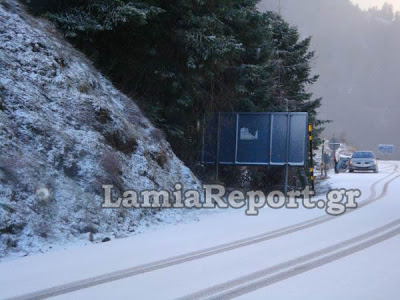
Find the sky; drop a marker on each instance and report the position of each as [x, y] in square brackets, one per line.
[359, 66]
[365, 4]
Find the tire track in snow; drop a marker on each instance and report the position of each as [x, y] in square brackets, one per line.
[274, 274]
[164, 263]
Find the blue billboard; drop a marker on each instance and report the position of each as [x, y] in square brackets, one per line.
[256, 139]
[386, 149]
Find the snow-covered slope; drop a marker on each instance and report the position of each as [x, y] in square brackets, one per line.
[65, 131]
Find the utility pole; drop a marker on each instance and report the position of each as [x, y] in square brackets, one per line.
[279, 63]
[286, 185]
[281, 96]
[280, 8]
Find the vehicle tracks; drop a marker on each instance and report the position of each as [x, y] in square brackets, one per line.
[249, 283]
[164, 263]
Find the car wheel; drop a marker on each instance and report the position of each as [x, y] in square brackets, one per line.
[376, 171]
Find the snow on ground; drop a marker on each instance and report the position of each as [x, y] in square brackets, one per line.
[369, 275]
[359, 276]
[65, 131]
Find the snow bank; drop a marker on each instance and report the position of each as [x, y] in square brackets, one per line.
[65, 131]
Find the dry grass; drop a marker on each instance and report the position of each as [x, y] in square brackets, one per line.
[121, 142]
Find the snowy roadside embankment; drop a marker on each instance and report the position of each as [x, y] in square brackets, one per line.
[65, 131]
[207, 268]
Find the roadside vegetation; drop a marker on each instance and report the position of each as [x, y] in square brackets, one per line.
[181, 60]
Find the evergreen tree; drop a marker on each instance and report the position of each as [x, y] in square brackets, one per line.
[182, 59]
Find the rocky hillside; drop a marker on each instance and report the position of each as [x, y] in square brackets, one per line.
[65, 131]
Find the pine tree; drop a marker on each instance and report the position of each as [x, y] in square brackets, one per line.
[182, 59]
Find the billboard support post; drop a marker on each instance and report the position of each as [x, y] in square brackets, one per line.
[286, 179]
[218, 148]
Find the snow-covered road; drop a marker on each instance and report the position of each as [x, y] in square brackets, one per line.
[280, 254]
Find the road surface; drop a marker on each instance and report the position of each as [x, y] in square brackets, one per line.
[280, 254]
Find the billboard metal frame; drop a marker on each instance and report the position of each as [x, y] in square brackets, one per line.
[270, 163]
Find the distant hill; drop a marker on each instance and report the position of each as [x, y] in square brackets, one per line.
[359, 64]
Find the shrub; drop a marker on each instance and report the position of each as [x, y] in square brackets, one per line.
[119, 141]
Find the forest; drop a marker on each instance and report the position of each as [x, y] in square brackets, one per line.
[181, 60]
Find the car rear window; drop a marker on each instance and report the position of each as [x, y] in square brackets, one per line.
[363, 155]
